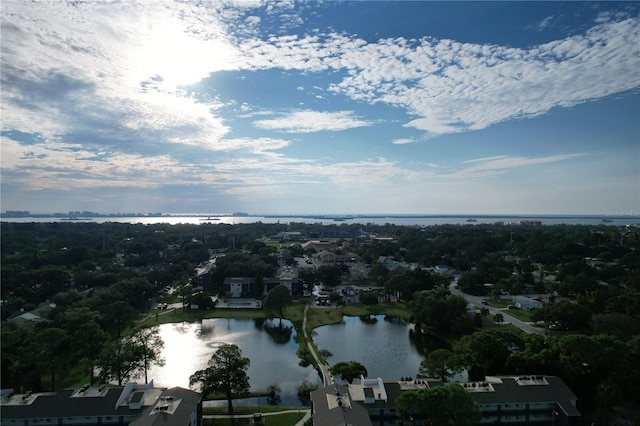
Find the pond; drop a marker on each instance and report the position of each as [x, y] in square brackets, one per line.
[272, 351]
[387, 346]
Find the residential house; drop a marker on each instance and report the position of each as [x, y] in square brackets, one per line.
[391, 264]
[35, 316]
[287, 276]
[237, 286]
[524, 302]
[202, 278]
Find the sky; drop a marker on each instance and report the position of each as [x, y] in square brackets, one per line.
[320, 107]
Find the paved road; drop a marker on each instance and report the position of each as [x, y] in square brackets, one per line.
[327, 379]
[477, 301]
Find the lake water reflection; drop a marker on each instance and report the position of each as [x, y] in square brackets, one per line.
[272, 351]
[386, 346]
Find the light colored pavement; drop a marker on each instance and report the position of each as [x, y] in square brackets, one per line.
[477, 301]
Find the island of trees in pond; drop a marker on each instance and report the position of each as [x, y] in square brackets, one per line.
[87, 285]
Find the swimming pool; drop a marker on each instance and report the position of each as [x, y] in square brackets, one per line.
[239, 303]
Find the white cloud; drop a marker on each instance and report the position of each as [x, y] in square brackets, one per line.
[546, 22]
[312, 121]
[490, 166]
[403, 141]
[55, 166]
[99, 83]
[260, 145]
[485, 159]
[447, 86]
[453, 87]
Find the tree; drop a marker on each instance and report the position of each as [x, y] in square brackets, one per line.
[483, 352]
[226, 374]
[616, 324]
[368, 298]
[89, 339]
[149, 344]
[348, 370]
[277, 299]
[48, 345]
[536, 358]
[131, 356]
[440, 405]
[274, 395]
[118, 313]
[118, 361]
[330, 275]
[304, 391]
[565, 315]
[439, 310]
[439, 363]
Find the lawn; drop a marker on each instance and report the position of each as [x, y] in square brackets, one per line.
[160, 316]
[500, 303]
[246, 409]
[285, 419]
[317, 317]
[521, 314]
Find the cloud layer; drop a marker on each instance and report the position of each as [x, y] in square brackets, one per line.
[99, 94]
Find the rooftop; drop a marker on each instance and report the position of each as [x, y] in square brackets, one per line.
[531, 389]
[131, 401]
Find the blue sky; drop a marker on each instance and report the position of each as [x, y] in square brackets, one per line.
[321, 107]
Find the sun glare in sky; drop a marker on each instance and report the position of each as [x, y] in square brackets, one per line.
[312, 107]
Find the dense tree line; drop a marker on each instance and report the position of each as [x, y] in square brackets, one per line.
[102, 276]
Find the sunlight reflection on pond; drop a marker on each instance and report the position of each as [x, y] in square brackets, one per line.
[272, 351]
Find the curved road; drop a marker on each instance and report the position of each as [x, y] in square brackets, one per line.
[327, 379]
[477, 301]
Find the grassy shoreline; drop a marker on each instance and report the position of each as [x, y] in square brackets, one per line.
[316, 317]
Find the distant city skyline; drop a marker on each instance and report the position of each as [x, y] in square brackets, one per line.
[290, 107]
